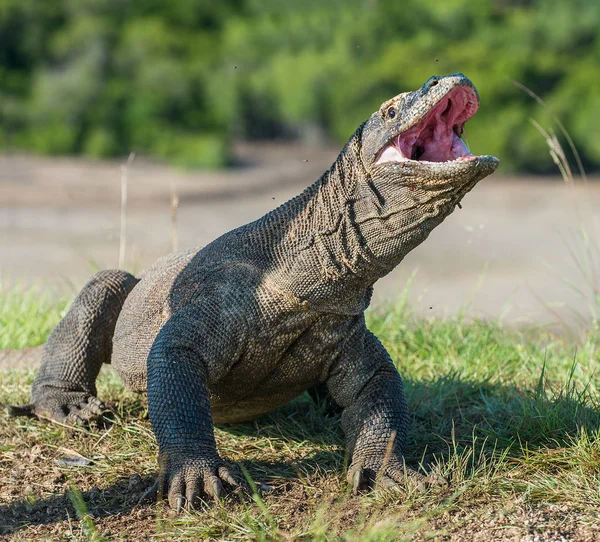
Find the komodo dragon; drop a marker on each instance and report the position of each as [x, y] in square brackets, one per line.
[232, 331]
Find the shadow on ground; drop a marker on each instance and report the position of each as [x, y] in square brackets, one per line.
[448, 413]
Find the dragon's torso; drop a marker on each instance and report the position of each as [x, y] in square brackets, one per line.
[288, 347]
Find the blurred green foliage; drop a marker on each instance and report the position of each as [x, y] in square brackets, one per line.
[179, 80]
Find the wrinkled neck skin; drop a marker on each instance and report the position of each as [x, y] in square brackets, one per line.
[351, 228]
[399, 207]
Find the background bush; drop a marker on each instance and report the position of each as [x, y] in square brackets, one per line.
[180, 80]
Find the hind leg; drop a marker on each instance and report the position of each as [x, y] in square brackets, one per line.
[64, 389]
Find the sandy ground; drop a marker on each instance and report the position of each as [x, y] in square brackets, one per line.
[506, 253]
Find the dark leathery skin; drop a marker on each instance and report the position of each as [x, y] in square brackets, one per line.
[64, 388]
[273, 308]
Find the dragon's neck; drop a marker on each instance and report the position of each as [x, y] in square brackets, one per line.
[319, 254]
[330, 244]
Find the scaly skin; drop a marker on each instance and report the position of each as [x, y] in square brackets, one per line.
[267, 311]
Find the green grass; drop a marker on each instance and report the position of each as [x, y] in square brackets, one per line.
[511, 418]
[27, 315]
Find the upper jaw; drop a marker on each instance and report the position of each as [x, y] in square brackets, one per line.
[437, 136]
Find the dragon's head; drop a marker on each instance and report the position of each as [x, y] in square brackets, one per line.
[419, 133]
[417, 166]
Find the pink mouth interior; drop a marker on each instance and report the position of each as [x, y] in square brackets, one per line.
[437, 138]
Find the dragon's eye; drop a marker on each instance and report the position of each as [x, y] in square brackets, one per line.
[391, 112]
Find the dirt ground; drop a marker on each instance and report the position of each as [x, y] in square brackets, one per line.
[112, 466]
[506, 253]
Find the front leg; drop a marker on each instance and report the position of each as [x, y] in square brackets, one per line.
[197, 345]
[367, 386]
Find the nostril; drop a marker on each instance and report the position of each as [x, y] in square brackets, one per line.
[433, 82]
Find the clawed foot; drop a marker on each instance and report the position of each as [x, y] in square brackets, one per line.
[394, 476]
[186, 479]
[67, 407]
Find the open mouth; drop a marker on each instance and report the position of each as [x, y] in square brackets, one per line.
[438, 137]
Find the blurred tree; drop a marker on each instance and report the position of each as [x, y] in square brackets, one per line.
[179, 80]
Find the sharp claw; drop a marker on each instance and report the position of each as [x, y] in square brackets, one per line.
[92, 413]
[67, 407]
[86, 414]
[191, 500]
[225, 475]
[385, 482]
[75, 419]
[265, 488]
[95, 401]
[189, 484]
[213, 487]
[217, 489]
[150, 493]
[437, 480]
[419, 485]
[357, 479]
[231, 481]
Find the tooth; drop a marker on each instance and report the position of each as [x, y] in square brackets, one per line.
[391, 154]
